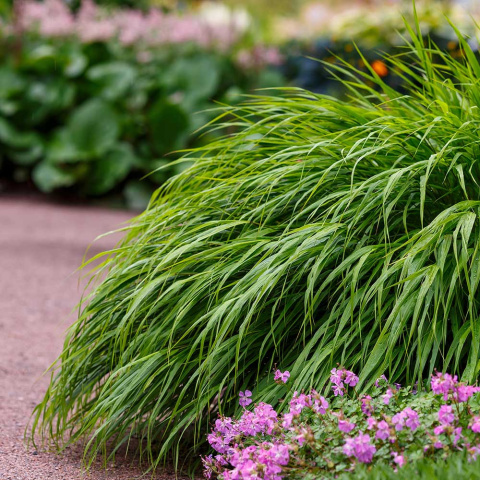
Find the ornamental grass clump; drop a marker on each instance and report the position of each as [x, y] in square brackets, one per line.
[320, 232]
[318, 438]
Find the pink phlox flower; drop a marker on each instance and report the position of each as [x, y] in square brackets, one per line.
[265, 417]
[399, 459]
[302, 435]
[219, 442]
[399, 420]
[207, 466]
[411, 420]
[338, 390]
[387, 396]
[248, 425]
[350, 378]
[336, 376]
[320, 405]
[463, 392]
[345, 426]
[341, 375]
[439, 430]
[224, 425]
[282, 376]
[223, 434]
[383, 430]
[371, 422]
[475, 424]
[244, 400]
[446, 415]
[287, 420]
[360, 448]
[438, 444]
[299, 402]
[366, 407]
[443, 384]
[406, 418]
[474, 452]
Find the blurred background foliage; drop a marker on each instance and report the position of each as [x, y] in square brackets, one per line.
[94, 97]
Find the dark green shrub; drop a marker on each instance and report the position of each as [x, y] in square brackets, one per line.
[95, 118]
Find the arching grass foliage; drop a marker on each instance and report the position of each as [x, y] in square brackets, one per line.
[323, 232]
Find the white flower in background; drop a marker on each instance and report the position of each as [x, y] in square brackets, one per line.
[218, 14]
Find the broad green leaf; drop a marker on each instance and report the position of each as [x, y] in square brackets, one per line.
[93, 127]
[114, 79]
[48, 177]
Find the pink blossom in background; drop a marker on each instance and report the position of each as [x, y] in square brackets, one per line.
[258, 57]
[463, 392]
[52, 18]
[406, 418]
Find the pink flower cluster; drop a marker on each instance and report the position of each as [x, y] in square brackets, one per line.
[360, 448]
[52, 18]
[259, 56]
[340, 378]
[406, 418]
[349, 430]
[445, 384]
[267, 457]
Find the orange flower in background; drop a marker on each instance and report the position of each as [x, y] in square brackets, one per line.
[451, 45]
[380, 68]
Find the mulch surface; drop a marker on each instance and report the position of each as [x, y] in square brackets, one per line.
[41, 246]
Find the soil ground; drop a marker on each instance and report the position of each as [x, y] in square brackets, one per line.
[41, 246]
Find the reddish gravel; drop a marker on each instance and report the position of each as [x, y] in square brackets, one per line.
[41, 245]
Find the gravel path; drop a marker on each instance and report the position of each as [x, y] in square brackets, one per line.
[41, 245]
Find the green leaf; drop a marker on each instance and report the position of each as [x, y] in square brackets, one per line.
[61, 149]
[195, 78]
[11, 82]
[27, 157]
[93, 127]
[111, 169]
[76, 64]
[114, 79]
[48, 177]
[16, 139]
[168, 126]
